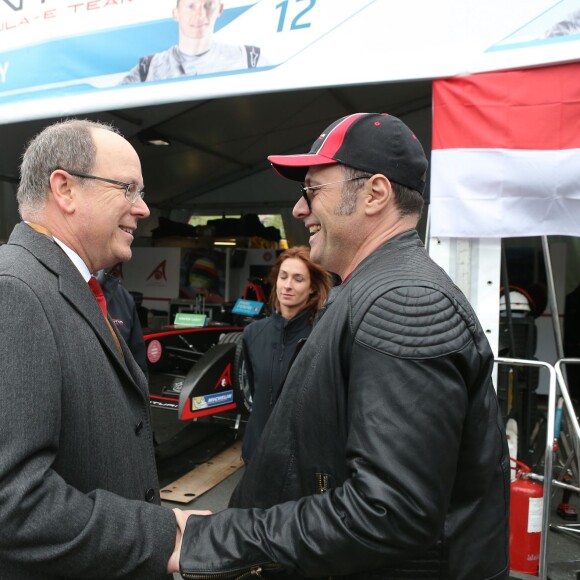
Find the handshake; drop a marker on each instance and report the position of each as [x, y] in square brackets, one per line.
[181, 518]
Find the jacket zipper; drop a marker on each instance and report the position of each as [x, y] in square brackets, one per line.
[256, 571]
[323, 485]
[322, 481]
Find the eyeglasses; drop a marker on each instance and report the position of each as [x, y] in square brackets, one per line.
[305, 190]
[132, 191]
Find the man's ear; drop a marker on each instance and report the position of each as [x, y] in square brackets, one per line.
[62, 192]
[380, 194]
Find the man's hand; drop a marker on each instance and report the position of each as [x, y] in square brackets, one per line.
[181, 519]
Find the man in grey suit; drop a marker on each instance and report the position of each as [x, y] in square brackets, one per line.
[79, 494]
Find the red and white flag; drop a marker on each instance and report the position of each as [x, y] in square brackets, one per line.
[505, 157]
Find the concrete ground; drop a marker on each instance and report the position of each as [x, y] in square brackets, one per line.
[563, 549]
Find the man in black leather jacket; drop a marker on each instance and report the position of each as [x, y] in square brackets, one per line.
[386, 457]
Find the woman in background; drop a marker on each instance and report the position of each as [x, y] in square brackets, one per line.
[299, 289]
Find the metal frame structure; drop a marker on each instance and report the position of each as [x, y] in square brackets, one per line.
[548, 458]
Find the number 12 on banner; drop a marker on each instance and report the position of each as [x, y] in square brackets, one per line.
[299, 20]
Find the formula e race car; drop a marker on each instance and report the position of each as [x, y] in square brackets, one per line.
[199, 371]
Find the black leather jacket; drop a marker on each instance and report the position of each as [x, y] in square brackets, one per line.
[385, 456]
[269, 348]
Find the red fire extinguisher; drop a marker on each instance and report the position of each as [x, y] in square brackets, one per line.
[526, 505]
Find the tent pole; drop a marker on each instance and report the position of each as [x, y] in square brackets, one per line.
[508, 303]
[552, 298]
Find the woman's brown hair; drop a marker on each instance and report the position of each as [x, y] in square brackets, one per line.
[320, 280]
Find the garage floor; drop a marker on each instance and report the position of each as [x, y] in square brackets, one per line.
[563, 550]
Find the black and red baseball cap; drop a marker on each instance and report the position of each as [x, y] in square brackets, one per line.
[371, 142]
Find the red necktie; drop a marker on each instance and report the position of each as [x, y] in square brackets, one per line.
[102, 301]
[98, 292]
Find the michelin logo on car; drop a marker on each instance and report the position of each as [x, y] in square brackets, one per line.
[207, 401]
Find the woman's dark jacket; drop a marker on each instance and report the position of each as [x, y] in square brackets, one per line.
[269, 346]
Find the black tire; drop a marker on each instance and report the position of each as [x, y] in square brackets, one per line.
[242, 394]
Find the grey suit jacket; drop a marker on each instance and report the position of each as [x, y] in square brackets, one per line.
[79, 492]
